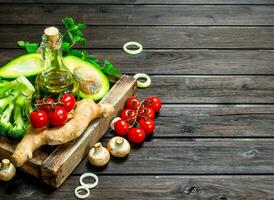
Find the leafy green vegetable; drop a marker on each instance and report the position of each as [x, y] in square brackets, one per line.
[15, 106]
[72, 36]
[110, 69]
[30, 47]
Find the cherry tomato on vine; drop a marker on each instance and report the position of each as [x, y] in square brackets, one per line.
[133, 103]
[153, 103]
[69, 102]
[136, 135]
[147, 125]
[38, 118]
[146, 113]
[121, 128]
[128, 115]
[45, 108]
[58, 116]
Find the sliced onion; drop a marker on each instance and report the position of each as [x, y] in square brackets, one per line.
[85, 186]
[135, 44]
[79, 189]
[142, 76]
[89, 185]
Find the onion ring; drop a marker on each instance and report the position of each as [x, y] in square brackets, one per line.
[90, 185]
[113, 122]
[133, 52]
[81, 196]
[142, 84]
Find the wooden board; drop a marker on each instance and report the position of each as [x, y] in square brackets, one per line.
[55, 167]
[171, 37]
[212, 89]
[141, 15]
[175, 62]
[209, 156]
[204, 141]
[136, 187]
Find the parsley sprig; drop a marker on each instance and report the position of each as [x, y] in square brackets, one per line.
[73, 35]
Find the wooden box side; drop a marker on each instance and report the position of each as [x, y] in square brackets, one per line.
[63, 160]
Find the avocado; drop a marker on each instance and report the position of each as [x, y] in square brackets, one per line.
[26, 65]
[93, 83]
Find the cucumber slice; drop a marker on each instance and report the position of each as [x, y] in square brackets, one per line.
[72, 62]
[26, 65]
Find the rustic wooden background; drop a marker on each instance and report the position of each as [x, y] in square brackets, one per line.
[211, 62]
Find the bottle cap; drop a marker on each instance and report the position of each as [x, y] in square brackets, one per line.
[52, 34]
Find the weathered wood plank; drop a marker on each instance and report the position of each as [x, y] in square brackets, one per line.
[180, 61]
[143, 1]
[193, 156]
[154, 36]
[214, 121]
[150, 187]
[211, 89]
[139, 15]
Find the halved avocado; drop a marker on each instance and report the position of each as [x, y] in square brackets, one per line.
[100, 81]
[26, 65]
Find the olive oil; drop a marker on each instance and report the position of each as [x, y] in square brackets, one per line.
[55, 79]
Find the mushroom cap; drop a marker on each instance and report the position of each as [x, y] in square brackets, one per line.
[98, 155]
[118, 147]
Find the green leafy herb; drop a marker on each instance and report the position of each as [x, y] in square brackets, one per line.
[72, 36]
[110, 69]
[30, 47]
[73, 33]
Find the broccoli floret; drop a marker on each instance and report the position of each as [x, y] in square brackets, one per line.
[5, 120]
[15, 107]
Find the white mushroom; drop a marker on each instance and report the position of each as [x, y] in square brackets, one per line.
[98, 155]
[7, 171]
[118, 147]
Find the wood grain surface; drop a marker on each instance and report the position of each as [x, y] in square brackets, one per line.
[155, 37]
[174, 62]
[211, 62]
[151, 187]
[136, 2]
[141, 15]
[192, 156]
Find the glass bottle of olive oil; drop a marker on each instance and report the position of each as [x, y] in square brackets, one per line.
[55, 79]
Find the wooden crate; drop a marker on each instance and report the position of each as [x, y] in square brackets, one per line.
[54, 164]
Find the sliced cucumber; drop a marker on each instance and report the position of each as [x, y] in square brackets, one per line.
[26, 65]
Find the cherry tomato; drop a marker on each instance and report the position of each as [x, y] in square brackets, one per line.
[121, 128]
[128, 115]
[58, 116]
[69, 102]
[133, 103]
[38, 119]
[147, 125]
[153, 103]
[146, 113]
[136, 135]
[45, 108]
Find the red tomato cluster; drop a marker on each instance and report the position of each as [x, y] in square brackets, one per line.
[137, 118]
[54, 113]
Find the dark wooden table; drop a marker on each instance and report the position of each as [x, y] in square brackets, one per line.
[211, 62]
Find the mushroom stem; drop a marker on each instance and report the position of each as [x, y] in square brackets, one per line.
[119, 140]
[7, 171]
